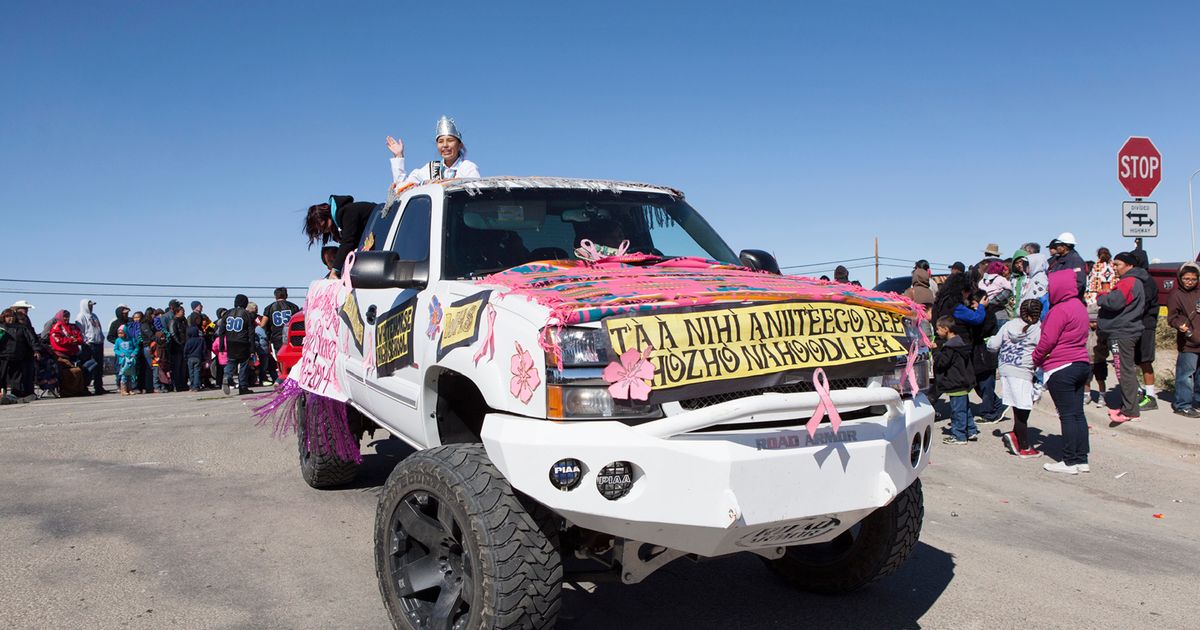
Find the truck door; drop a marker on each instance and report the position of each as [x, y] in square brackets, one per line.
[391, 391]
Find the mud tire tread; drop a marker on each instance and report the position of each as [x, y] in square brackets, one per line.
[321, 470]
[887, 538]
[519, 582]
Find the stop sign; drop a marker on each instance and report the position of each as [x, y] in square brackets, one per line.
[1139, 166]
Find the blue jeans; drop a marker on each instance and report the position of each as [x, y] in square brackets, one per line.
[1066, 388]
[1185, 380]
[242, 368]
[962, 423]
[990, 407]
[194, 373]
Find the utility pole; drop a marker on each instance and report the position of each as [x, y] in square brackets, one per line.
[876, 261]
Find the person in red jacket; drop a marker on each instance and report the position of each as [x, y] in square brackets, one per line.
[65, 338]
[1062, 354]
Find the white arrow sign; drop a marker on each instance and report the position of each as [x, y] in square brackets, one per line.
[1139, 218]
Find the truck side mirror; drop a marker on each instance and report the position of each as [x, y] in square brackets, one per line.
[385, 270]
[759, 260]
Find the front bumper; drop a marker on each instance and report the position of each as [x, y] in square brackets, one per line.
[717, 492]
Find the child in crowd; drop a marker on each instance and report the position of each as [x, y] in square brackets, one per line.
[126, 350]
[1015, 343]
[193, 349]
[162, 377]
[994, 281]
[955, 377]
[220, 358]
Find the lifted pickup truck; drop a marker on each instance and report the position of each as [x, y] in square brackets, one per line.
[594, 381]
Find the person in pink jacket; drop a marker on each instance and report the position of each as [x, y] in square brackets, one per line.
[1062, 354]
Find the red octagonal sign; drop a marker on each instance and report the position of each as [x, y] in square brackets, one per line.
[1139, 166]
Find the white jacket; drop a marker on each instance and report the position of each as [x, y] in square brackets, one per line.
[462, 168]
[1015, 347]
[89, 323]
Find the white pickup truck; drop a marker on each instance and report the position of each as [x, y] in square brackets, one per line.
[596, 383]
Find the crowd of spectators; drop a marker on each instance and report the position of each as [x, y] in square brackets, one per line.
[157, 350]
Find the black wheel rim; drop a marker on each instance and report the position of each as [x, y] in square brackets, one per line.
[430, 568]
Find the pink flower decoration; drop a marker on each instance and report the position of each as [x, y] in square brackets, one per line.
[525, 375]
[630, 379]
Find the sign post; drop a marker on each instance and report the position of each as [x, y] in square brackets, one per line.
[1139, 219]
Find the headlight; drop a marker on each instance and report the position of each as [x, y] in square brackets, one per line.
[583, 347]
[583, 402]
[897, 380]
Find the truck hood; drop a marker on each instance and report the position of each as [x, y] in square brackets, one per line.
[565, 293]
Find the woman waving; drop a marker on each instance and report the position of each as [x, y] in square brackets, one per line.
[449, 145]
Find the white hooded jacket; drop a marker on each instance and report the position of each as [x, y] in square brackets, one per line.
[1014, 347]
[89, 323]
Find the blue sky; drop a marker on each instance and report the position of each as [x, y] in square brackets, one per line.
[178, 143]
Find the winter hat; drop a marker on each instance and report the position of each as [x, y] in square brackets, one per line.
[1127, 258]
[173, 303]
[195, 303]
[1019, 254]
[240, 301]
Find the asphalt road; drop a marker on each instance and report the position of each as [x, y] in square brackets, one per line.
[176, 511]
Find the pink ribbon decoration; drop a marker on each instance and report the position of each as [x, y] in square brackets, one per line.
[588, 250]
[909, 373]
[489, 340]
[821, 385]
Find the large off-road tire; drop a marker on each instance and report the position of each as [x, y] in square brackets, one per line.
[454, 548]
[320, 470]
[873, 549]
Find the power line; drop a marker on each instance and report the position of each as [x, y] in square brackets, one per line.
[23, 292]
[828, 262]
[157, 286]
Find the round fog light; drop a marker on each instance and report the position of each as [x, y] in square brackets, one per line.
[615, 480]
[914, 453]
[566, 474]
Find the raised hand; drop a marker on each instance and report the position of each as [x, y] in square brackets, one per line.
[395, 146]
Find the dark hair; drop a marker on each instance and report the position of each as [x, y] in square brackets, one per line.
[1103, 255]
[1030, 309]
[950, 293]
[946, 321]
[978, 295]
[313, 220]
[8, 312]
[281, 293]
[922, 264]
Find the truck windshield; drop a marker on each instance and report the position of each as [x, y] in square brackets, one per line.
[496, 230]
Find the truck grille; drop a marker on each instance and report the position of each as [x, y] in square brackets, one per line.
[791, 388]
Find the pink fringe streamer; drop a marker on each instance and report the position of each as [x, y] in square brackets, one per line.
[329, 434]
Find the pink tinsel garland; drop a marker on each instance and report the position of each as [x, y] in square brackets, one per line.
[330, 433]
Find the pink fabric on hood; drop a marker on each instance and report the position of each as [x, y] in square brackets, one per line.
[1065, 329]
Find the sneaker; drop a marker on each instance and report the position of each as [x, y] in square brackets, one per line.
[225, 387]
[1148, 404]
[242, 391]
[8, 399]
[1059, 467]
[1028, 453]
[974, 437]
[1010, 442]
[951, 440]
[1188, 412]
[1116, 417]
[983, 420]
[1083, 468]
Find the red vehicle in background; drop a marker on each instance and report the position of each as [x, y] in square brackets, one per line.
[289, 353]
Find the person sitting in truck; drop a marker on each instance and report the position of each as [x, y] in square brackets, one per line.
[342, 219]
[453, 164]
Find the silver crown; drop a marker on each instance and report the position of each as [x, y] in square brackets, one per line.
[445, 127]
